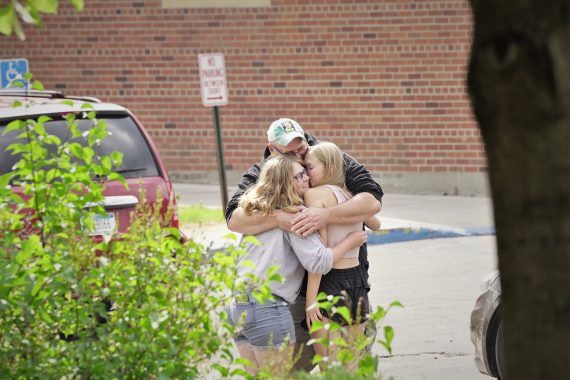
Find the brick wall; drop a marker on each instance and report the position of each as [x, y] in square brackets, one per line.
[385, 80]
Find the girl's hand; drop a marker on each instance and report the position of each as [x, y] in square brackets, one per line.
[358, 238]
[312, 313]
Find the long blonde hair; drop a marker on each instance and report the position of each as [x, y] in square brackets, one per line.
[274, 189]
[331, 157]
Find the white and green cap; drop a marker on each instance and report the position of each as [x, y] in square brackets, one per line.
[284, 130]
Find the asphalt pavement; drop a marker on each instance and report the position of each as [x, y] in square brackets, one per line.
[430, 255]
[437, 281]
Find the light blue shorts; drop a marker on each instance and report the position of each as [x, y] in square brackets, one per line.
[265, 326]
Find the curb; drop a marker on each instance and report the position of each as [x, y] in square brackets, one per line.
[398, 235]
[214, 236]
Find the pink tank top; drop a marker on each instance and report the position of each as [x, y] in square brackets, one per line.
[337, 232]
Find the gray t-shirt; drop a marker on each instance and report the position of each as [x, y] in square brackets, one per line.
[293, 254]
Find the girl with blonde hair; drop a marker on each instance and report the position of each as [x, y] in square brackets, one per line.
[268, 333]
[325, 167]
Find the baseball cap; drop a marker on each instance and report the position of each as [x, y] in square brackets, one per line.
[284, 130]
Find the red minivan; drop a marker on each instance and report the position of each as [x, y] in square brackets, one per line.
[141, 165]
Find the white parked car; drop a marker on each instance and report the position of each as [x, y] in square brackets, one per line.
[486, 327]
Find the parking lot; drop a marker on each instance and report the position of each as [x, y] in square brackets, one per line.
[436, 279]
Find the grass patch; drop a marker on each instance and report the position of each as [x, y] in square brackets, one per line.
[200, 214]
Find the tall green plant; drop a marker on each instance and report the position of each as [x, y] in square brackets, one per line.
[347, 358]
[347, 349]
[144, 305]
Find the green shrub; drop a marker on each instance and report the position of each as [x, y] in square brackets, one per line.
[141, 306]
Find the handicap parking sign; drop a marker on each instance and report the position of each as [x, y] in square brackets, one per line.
[12, 70]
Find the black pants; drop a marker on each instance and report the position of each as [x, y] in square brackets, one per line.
[351, 285]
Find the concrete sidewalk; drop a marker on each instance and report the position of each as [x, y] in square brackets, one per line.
[404, 217]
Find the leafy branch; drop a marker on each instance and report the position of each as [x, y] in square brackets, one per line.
[16, 13]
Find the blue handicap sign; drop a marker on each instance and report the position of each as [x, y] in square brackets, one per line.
[12, 70]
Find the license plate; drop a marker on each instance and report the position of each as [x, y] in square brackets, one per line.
[104, 225]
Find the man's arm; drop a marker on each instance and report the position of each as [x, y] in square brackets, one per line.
[248, 179]
[365, 203]
[356, 210]
[358, 179]
[256, 223]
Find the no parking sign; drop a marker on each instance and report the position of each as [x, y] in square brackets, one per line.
[213, 79]
[212, 67]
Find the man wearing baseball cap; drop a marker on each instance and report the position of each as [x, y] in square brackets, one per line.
[286, 137]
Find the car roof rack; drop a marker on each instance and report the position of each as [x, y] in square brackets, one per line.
[44, 94]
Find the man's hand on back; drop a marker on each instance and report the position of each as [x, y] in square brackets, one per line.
[310, 220]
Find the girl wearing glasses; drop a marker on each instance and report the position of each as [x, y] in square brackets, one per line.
[324, 163]
[268, 333]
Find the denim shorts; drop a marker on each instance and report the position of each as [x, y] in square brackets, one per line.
[264, 326]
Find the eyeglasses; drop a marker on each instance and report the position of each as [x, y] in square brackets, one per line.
[294, 153]
[300, 176]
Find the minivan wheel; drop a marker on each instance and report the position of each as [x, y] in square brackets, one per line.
[499, 350]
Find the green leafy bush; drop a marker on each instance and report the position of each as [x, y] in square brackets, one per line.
[144, 305]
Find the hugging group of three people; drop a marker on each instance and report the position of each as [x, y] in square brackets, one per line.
[307, 203]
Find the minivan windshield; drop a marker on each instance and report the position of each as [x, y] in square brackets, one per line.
[124, 136]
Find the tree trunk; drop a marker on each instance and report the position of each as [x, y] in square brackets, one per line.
[519, 80]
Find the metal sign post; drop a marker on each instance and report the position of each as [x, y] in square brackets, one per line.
[220, 150]
[215, 93]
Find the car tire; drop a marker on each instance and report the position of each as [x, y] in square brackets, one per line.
[499, 350]
[491, 338]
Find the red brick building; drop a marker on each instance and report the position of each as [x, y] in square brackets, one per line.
[385, 80]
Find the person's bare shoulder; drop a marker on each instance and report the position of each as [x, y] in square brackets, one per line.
[320, 196]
